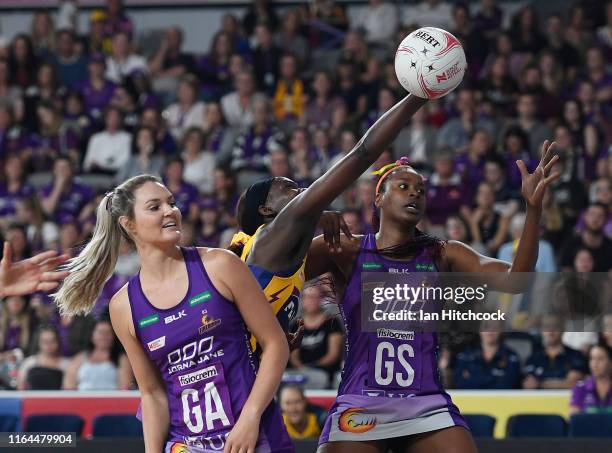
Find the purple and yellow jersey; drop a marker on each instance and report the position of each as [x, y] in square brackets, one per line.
[390, 382]
[201, 348]
[282, 289]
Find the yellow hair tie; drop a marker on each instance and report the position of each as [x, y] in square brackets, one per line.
[240, 238]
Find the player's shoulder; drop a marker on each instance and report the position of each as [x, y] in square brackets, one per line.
[217, 256]
[120, 299]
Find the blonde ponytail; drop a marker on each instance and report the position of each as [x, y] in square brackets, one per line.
[92, 268]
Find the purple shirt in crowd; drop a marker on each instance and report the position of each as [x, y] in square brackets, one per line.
[8, 200]
[96, 100]
[185, 196]
[585, 396]
[444, 201]
[471, 173]
[71, 202]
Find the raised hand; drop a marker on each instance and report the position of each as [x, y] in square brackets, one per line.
[332, 223]
[534, 185]
[30, 275]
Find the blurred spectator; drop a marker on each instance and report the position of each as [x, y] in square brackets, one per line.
[576, 32]
[97, 91]
[10, 94]
[13, 187]
[101, 366]
[289, 97]
[17, 237]
[261, 12]
[592, 239]
[300, 423]
[22, 61]
[321, 103]
[456, 132]
[525, 31]
[598, 75]
[185, 195]
[488, 20]
[515, 146]
[321, 347]
[123, 61]
[96, 40]
[42, 234]
[600, 192]
[226, 193]
[471, 163]
[117, 21]
[584, 134]
[187, 111]
[507, 199]
[491, 365]
[329, 19]
[464, 30]
[417, 140]
[145, 157]
[16, 323]
[64, 198]
[457, 230]
[503, 49]
[507, 252]
[237, 106]
[42, 32]
[555, 366]
[487, 226]
[288, 38]
[431, 13]
[308, 162]
[208, 233]
[230, 25]
[499, 87]
[218, 138]
[278, 164]
[52, 139]
[594, 394]
[379, 20]
[170, 61]
[604, 34]
[445, 193]
[151, 117]
[199, 163]
[214, 68]
[252, 145]
[537, 132]
[564, 52]
[108, 151]
[45, 89]
[34, 372]
[266, 56]
[70, 67]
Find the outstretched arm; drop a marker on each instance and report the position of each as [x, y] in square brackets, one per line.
[30, 275]
[461, 258]
[294, 226]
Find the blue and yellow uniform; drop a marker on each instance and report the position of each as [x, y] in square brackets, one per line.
[282, 289]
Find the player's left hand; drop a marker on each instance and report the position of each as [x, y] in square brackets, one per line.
[295, 339]
[534, 185]
[30, 275]
[332, 223]
[243, 436]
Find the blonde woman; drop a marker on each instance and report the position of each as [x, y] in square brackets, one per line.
[183, 322]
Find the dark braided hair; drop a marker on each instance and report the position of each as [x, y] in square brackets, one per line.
[414, 245]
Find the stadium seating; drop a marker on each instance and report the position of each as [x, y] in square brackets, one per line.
[60, 423]
[117, 426]
[9, 423]
[536, 425]
[481, 425]
[590, 425]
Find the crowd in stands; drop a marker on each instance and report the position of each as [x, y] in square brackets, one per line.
[287, 92]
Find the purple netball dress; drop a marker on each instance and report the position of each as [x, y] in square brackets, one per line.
[201, 348]
[390, 383]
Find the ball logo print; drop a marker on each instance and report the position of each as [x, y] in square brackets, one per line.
[430, 62]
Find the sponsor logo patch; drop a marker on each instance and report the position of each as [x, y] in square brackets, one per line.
[175, 317]
[156, 344]
[202, 297]
[149, 320]
[208, 323]
[197, 376]
[395, 334]
[368, 266]
[355, 421]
